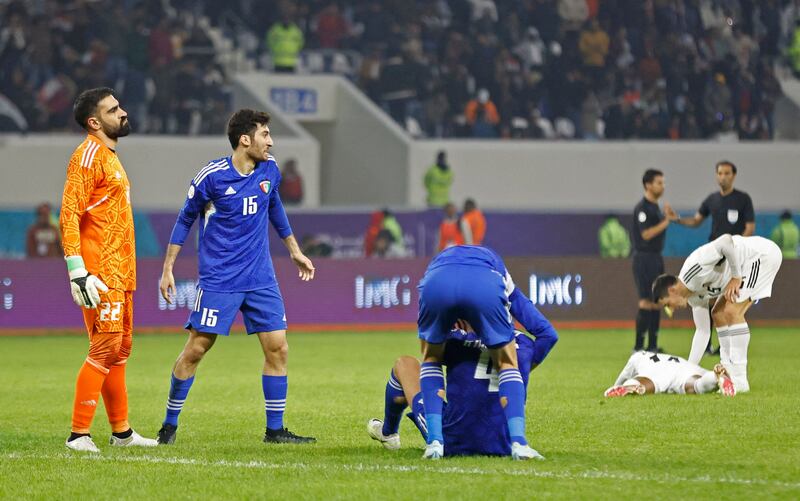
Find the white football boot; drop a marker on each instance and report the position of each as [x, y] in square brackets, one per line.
[521, 452]
[375, 430]
[82, 444]
[434, 450]
[135, 440]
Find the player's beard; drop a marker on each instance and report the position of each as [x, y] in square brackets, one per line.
[123, 130]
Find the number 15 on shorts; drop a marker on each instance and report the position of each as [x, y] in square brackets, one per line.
[209, 318]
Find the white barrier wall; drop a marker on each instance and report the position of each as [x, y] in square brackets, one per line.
[600, 176]
[33, 168]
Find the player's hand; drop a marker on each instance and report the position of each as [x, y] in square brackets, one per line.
[731, 292]
[304, 265]
[85, 288]
[167, 286]
[463, 325]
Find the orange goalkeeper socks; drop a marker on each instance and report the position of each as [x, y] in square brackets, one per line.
[87, 392]
[115, 398]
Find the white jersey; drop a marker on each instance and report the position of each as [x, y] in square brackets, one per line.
[707, 271]
[668, 373]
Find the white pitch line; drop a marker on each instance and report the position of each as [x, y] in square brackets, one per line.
[441, 470]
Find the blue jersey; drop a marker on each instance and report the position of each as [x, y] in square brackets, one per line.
[473, 420]
[234, 238]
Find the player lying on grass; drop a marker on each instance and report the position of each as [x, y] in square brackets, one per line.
[731, 273]
[473, 420]
[648, 373]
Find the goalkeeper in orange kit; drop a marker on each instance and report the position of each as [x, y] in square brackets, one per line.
[99, 247]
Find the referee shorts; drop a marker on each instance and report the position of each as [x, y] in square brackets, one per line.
[647, 266]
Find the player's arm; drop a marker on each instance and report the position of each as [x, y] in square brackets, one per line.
[702, 333]
[627, 372]
[196, 200]
[78, 188]
[545, 336]
[279, 221]
[724, 245]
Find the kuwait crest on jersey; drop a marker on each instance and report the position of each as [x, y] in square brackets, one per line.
[265, 186]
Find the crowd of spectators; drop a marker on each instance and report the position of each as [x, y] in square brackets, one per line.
[158, 57]
[585, 69]
[617, 69]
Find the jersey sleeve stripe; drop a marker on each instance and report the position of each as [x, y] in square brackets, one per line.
[89, 154]
[86, 145]
[693, 271]
[205, 169]
[96, 203]
[90, 160]
[200, 180]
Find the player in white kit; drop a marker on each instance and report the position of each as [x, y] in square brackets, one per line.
[732, 272]
[648, 373]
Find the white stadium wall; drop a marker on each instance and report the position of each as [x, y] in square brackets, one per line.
[33, 168]
[605, 176]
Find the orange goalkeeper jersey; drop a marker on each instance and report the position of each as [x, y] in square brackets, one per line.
[96, 215]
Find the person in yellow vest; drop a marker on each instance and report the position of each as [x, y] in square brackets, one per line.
[787, 236]
[613, 238]
[438, 180]
[284, 42]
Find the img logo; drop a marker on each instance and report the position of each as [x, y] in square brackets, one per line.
[185, 294]
[556, 290]
[381, 291]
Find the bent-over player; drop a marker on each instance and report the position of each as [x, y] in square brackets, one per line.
[731, 273]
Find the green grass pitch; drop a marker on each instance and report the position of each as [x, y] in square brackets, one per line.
[695, 447]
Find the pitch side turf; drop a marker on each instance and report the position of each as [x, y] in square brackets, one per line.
[697, 447]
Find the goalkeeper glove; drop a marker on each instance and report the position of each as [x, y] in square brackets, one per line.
[85, 287]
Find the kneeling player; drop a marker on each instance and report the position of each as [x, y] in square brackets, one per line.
[731, 273]
[473, 420]
[649, 373]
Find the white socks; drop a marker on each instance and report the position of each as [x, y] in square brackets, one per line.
[706, 384]
[737, 338]
[724, 345]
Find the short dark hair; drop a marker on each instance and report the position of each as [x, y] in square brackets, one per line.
[86, 104]
[470, 204]
[725, 162]
[650, 175]
[661, 286]
[243, 122]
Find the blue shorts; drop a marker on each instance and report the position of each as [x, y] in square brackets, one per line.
[214, 312]
[472, 293]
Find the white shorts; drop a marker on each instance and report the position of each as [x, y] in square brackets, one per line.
[670, 373]
[759, 273]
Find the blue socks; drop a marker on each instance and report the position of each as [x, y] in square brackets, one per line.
[513, 390]
[431, 380]
[275, 388]
[392, 411]
[178, 390]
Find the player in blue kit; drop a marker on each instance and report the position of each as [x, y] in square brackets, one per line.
[473, 421]
[471, 283]
[235, 197]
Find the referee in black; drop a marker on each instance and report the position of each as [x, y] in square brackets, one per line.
[649, 232]
[731, 210]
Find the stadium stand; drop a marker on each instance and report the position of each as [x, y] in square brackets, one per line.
[573, 69]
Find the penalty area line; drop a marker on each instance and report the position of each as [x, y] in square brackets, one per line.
[439, 470]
